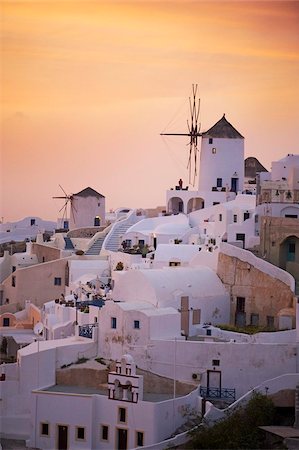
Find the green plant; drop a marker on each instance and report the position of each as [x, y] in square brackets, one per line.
[240, 429]
[81, 360]
[100, 360]
[119, 266]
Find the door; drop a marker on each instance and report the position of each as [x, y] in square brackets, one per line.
[214, 383]
[62, 437]
[240, 317]
[122, 437]
[234, 184]
[97, 221]
[185, 315]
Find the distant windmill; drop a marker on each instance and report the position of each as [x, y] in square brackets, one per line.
[194, 128]
[68, 198]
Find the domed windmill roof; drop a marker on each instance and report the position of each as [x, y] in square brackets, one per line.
[89, 192]
[223, 129]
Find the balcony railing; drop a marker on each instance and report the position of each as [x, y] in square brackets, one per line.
[87, 330]
[217, 393]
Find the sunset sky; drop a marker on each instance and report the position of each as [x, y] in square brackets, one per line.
[87, 88]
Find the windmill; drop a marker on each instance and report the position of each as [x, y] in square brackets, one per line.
[193, 134]
[67, 199]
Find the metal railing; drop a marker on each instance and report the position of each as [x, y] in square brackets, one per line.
[218, 393]
[87, 330]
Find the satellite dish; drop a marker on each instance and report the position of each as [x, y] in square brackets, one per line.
[38, 329]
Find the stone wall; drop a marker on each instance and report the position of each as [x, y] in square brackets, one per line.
[273, 231]
[45, 253]
[264, 294]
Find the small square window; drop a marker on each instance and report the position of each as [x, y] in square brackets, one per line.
[216, 362]
[6, 321]
[139, 438]
[122, 415]
[220, 217]
[113, 322]
[214, 151]
[210, 140]
[80, 433]
[44, 429]
[57, 281]
[136, 324]
[13, 281]
[235, 218]
[105, 433]
[246, 215]
[219, 182]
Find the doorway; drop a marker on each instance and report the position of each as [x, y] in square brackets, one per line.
[62, 437]
[122, 438]
[214, 381]
[185, 315]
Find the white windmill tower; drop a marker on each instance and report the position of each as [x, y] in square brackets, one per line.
[64, 221]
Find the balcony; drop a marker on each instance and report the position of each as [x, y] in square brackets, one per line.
[212, 393]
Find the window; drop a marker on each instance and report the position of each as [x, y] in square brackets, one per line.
[219, 182]
[214, 151]
[57, 281]
[216, 203]
[13, 281]
[235, 218]
[210, 140]
[6, 321]
[113, 322]
[141, 243]
[13, 268]
[174, 263]
[291, 216]
[44, 429]
[139, 438]
[105, 433]
[220, 217]
[196, 316]
[80, 433]
[136, 324]
[121, 415]
[246, 215]
[32, 222]
[216, 362]
[241, 304]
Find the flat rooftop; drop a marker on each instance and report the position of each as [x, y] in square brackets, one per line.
[84, 390]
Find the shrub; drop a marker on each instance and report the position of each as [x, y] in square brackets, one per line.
[240, 429]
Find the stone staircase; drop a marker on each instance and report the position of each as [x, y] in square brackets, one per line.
[113, 239]
[96, 247]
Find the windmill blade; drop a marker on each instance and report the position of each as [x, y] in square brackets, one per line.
[64, 206]
[63, 190]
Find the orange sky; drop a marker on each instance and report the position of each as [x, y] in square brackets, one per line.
[88, 86]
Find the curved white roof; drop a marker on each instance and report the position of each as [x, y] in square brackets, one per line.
[164, 287]
[183, 252]
[177, 224]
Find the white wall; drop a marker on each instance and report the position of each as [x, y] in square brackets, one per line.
[228, 159]
[242, 365]
[156, 420]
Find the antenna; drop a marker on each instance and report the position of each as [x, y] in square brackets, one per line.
[193, 128]
[67, 198]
